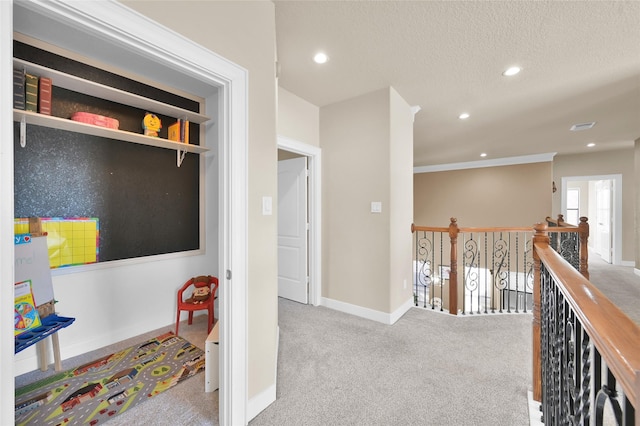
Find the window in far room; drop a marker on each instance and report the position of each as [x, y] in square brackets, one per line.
[573, 206]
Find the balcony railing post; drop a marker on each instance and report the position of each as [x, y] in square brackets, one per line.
[453, 274]
[542, 237]
[583, 235]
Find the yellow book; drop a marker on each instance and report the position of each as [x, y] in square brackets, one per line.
[174, 132]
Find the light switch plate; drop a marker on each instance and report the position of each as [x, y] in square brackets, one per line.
[376, 207]
[267, 206]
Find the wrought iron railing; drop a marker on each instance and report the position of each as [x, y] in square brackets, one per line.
[484, 270]
[586, 352]
[570, 241]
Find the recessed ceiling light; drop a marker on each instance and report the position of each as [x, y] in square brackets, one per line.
[463, 116]
[511, 71]
[484, 154]
[591, 145]
[320, 58]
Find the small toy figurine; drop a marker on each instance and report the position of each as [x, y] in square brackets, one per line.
[201, 293]
[151, 124]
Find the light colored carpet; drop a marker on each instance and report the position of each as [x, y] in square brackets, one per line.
[619, 283]
[427, 369]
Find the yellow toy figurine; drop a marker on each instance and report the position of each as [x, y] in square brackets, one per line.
[151, 124]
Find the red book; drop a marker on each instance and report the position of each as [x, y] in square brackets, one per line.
[44, 98]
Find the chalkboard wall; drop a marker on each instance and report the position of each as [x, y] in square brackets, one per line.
[145, 203]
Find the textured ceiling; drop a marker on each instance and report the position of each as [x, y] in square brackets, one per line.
[580, 62]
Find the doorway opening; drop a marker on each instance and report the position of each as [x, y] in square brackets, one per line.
[599, 198]
[311, 263]
[81, 26]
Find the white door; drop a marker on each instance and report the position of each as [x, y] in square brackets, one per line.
[292, 229]
[604, 196]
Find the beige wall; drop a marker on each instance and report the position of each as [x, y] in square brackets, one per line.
[244, 32]
[401, 201]
[298, 119]
[597, 164]
[356, 138]
[517, 195]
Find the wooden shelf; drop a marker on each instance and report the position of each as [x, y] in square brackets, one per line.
[70, 82]
[89, 129]
[80, 85]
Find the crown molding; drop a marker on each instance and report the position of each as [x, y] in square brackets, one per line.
[495, 162]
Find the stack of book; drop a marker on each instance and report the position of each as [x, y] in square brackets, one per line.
[179, 131]
[31, 92]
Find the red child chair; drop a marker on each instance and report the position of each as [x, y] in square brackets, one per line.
[202, 297]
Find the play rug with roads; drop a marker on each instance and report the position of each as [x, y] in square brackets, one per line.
[95, 392]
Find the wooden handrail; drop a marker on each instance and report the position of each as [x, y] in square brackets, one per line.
[415, 228]
[614, 334]
[559, 222]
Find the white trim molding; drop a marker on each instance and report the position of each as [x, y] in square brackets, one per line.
[265, 398]
[7, 391]
[261, 401]
[367, 313]
[507, 161]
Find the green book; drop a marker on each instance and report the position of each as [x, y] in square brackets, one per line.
[31, 93]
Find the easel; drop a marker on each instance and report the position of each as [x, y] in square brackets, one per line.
[51, 323]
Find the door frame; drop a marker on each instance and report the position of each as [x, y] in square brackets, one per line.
[116, 22]
[314, 163]
[616, 217]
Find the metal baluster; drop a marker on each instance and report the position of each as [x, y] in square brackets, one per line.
[486, 276]
[508, 287]
[517, 271]
[441, 279]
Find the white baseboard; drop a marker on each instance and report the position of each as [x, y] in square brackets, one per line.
[261, 401]
[370, 314]
[398, 313]
[535, 415]
[268, 396]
